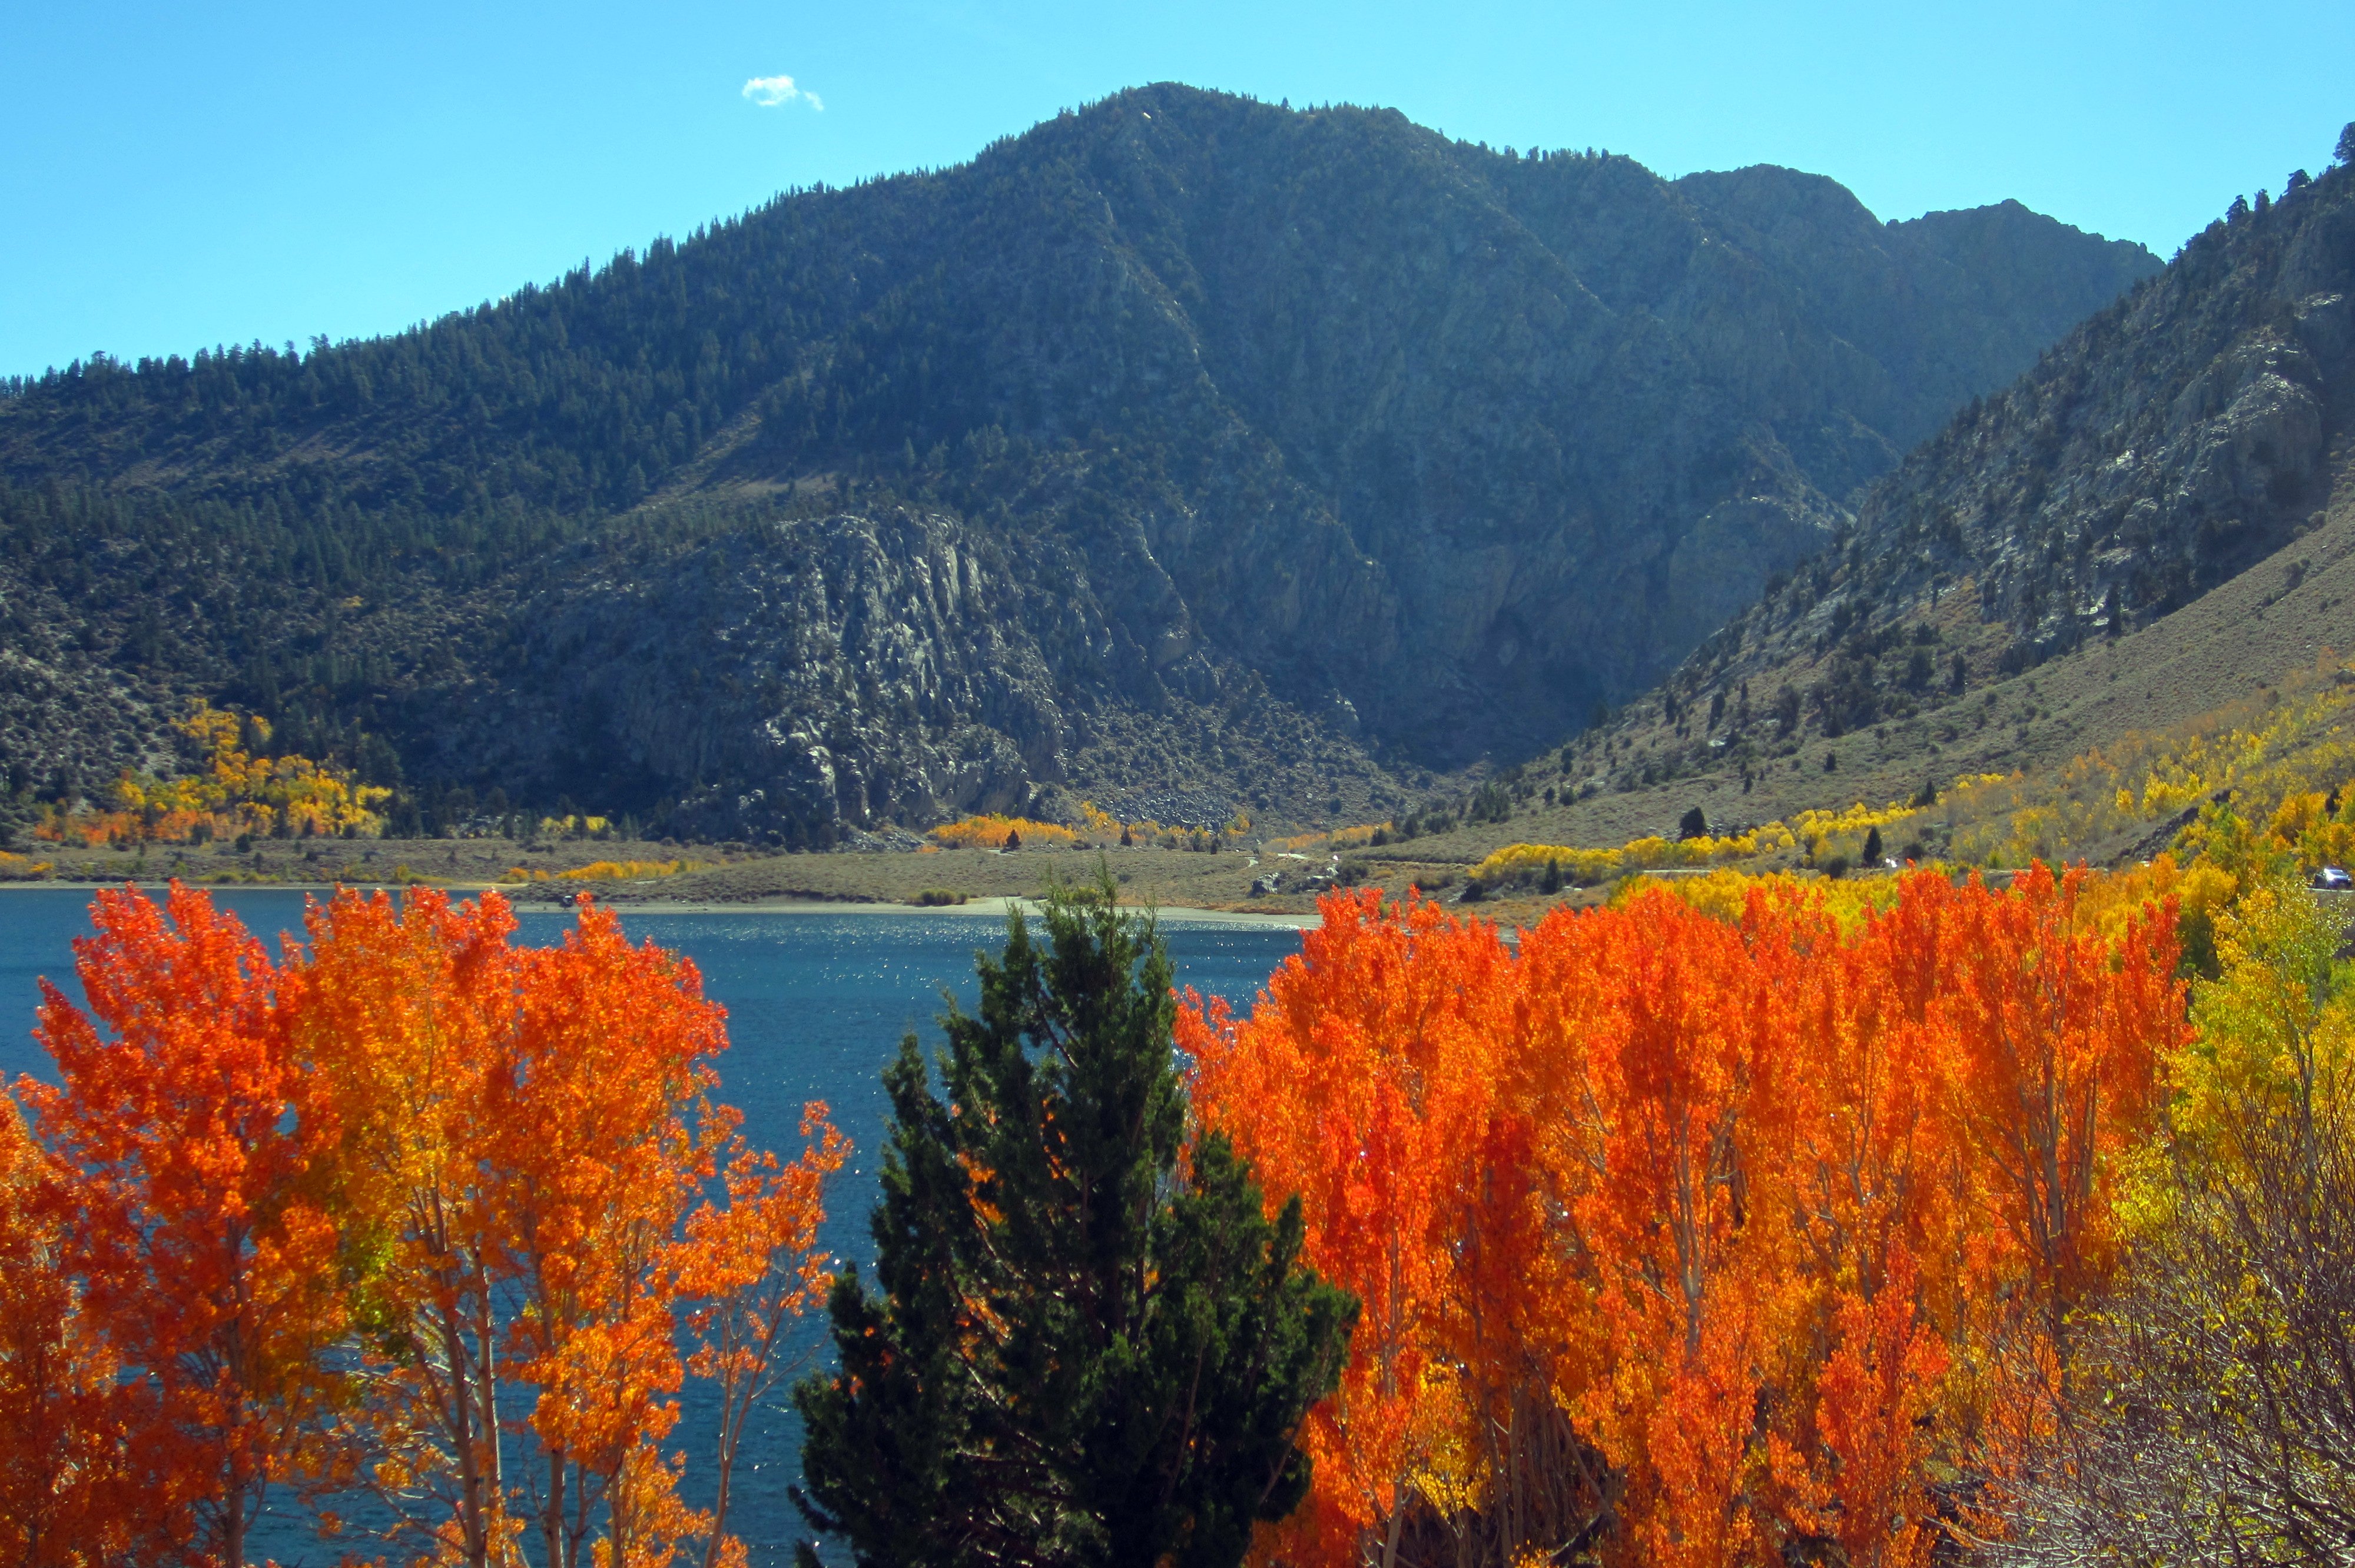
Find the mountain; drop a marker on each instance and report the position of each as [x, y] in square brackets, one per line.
[2153, 526]
[1184, 451]
[2166, 446]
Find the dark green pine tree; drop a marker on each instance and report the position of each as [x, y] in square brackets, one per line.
[1091, 1346]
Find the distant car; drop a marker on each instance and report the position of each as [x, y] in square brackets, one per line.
[2333, 879]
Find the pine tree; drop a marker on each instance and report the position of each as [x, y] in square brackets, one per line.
[1091, 1346]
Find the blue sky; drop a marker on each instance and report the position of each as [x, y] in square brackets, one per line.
[180, 176]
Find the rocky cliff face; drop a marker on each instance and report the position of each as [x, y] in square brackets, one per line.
[895, 501]
[798, 680]
[1472, 441]
[836, 670]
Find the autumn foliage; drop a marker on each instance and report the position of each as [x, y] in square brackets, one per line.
[991, 830]
[406, 1211]
[232, 791]
[1692, 1241]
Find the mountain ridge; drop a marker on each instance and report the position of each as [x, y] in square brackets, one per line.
[2167, 444]
[1301, 414]
[2146, 529]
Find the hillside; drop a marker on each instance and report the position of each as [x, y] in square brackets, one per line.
[1184, 451]
[2233, 652]
[2154, 527]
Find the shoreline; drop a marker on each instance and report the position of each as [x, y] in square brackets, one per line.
[995, 907]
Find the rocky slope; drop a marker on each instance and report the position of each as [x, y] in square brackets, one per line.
[2168, 445]
[1183, 443]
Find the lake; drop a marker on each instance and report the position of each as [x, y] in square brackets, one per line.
[817, 1005]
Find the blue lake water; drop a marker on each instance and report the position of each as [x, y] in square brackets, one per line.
[817, 1005]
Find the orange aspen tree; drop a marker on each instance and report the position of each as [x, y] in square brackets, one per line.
[65, 1496]
[401, 1015]
[1334, 1122]
[2056, 1035]
[199, 1256]
[608, 1135]
[519, 1142]
[1678, 1081]
[1746, 1199]
[1377, 1079]
[1876, 1187]
[1875, 1393]
[468, 1178]
[751, 1267]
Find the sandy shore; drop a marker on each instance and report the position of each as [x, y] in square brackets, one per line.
[993, 909]
[988, 908]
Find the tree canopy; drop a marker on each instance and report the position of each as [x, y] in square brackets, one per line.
[1091, 1343]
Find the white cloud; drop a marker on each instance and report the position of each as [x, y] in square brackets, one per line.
[776, 91]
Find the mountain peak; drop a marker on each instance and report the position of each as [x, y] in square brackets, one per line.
[1345, 450]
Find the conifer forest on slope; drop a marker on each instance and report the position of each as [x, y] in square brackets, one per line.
[1182, 445]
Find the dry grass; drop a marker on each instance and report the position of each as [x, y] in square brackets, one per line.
[1172, 878]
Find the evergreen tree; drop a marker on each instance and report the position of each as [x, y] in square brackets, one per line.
[1091, 1346]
